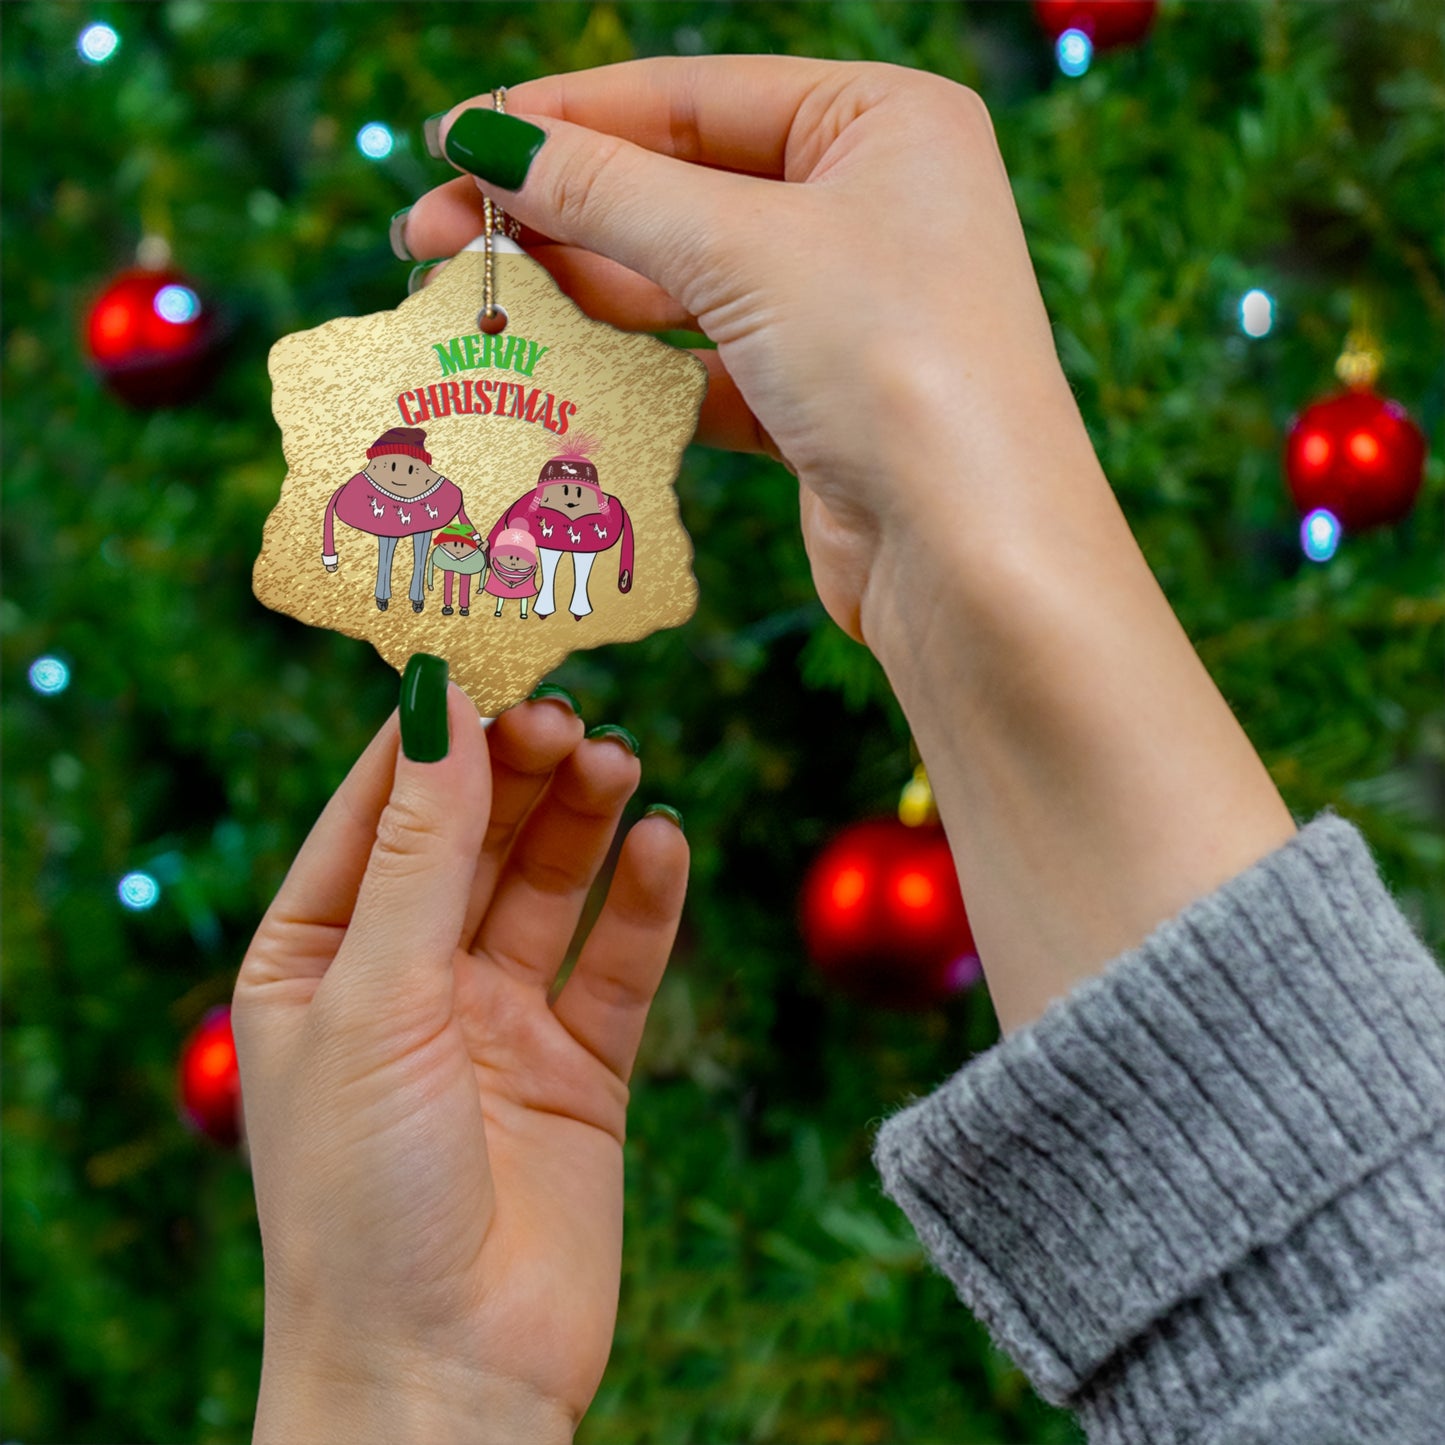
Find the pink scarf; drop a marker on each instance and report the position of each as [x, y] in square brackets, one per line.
[512, 577]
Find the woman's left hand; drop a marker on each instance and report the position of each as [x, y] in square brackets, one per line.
[437, 1147]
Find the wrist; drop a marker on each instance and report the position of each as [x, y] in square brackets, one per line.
[1092, 779]
[400, 1398]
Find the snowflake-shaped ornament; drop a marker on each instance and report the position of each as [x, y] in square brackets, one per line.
[497, 500]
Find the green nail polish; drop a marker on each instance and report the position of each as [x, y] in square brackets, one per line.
[662, 810]
[424, 736]
[612, 730]
[498, 148]
[413, 281]
[431, 133]
[396, 232]
[550, 689]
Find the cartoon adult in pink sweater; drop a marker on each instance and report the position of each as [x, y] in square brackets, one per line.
[512, 570]
[569, 514]
[398, 495]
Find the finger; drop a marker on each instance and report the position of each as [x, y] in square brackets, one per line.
[301, 929]
[604, 1002]
[726, 420]
[448, 218]
[395, 963]
[736, 112]
[526, 743]
[609, 292]
[657, 216]
[544, 883]
[440, 225]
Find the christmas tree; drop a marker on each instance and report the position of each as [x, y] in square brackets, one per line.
[168, 741]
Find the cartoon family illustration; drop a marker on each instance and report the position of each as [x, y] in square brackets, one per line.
[566, 513]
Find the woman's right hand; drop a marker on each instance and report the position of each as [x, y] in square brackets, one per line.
[846, 235]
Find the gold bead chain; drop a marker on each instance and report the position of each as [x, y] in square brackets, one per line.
[494, 219]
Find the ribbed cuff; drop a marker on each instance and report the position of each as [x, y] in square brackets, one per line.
[1201, 1155]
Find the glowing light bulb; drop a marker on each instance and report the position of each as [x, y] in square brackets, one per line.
[1319, 535]
[138, 891]
[97, 44]
[177, 304]
[375, 141]
[1256, 313]
[49, 675]
[1074, 51]
[848, 888]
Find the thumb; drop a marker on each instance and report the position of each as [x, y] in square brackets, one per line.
[395, 963]
[664, 218]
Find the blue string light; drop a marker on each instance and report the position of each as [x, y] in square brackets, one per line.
[49, 675]
[1319, 535]
[375, 141]
[138, 891]
[1074, 52]
[1256, 313]
[177, 304]
[97, 43]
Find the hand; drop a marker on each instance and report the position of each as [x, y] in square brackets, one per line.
[437, 1150]
[847, 235]
[330, 566]
[884, 296]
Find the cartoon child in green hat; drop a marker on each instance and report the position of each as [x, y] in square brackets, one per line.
[456, 554]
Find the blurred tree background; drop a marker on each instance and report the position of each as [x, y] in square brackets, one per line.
[770, 1292]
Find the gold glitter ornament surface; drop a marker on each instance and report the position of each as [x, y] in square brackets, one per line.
[559, 437]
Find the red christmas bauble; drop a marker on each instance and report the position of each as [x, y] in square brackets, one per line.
[210, 1080]
[1358, 455]
[883, 917]
[152, 338]
[1107, 23]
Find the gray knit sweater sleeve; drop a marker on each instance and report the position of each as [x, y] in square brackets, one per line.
[1202, 1198]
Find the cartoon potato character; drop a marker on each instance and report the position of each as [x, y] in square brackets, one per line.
[457, 556]
[569, 514]
[512, 570]
[399, 494]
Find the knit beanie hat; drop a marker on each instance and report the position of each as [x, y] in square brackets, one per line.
[405, 441]
[456, 531]
[518, 536]
[570, 469]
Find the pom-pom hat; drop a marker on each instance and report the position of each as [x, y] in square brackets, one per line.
[403, 441]
[519, 537]
[457, 531]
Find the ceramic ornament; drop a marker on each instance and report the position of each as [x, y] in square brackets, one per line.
[497, 500]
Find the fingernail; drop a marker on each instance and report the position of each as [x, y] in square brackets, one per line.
[662, 810]
[424, 708]
[550, 689]
[396, 231]
[414, 280]
[431, 133]
[612, 730]
[498, 148]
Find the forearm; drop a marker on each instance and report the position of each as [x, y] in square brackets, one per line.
[1091, 778]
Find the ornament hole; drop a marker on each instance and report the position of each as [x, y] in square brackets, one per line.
[495, 323]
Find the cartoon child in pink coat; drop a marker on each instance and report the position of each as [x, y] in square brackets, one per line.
[399, 494]
[512, 569]
[570, 515]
